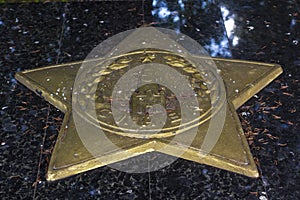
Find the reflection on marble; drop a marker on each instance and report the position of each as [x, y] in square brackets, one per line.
[180, 16]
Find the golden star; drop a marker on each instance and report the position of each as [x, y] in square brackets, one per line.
[242, 80]
[147, 58]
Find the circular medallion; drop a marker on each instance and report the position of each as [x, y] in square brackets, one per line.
[143, 100]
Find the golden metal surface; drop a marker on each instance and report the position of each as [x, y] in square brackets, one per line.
[242, 80]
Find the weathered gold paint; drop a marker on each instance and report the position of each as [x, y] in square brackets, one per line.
[242, 80]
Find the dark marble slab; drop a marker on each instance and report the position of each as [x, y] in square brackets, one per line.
[35, 35]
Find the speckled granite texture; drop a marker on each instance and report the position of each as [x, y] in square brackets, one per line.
[36, 35]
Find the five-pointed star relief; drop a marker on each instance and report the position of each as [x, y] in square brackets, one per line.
[242, 80]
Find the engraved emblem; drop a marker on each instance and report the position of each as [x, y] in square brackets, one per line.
[143, 98]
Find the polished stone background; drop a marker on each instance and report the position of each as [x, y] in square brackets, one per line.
[36, 35]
